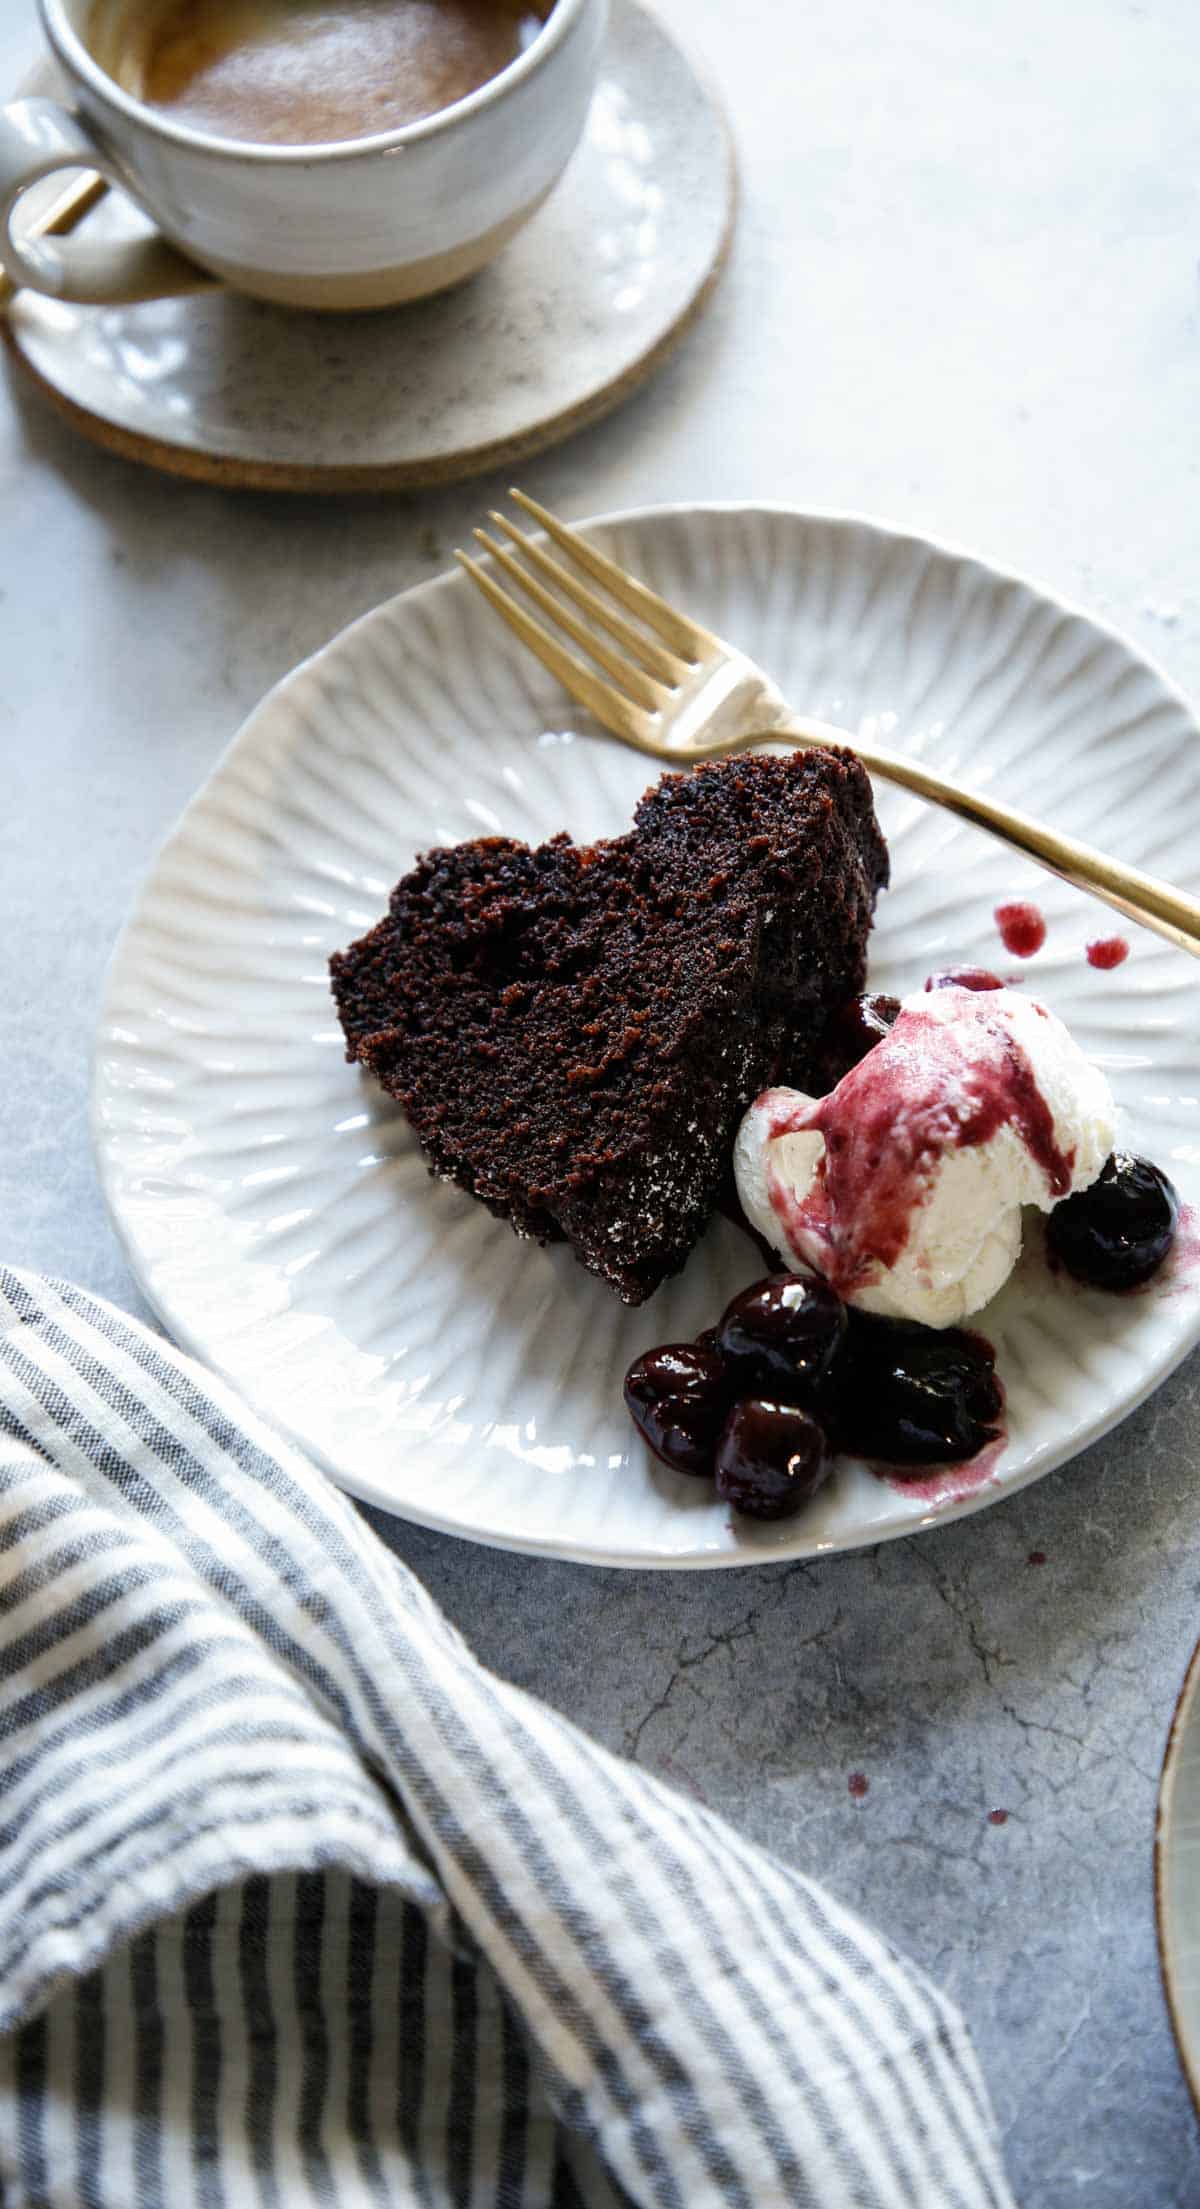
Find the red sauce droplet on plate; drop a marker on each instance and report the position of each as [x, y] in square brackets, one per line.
[997, 1817]
[1022, 929]
[858, 1783]
[1036, 1557]
[964, 977]
[1107, 952]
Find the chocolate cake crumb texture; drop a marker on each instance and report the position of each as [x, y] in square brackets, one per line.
[574, 1030]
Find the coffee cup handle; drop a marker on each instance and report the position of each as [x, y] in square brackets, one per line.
[38, 137]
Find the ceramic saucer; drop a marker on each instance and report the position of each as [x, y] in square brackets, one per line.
[580, 309]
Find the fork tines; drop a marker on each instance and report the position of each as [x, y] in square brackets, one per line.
[654, 658]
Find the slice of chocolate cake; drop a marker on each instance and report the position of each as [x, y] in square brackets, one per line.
[575, 1030]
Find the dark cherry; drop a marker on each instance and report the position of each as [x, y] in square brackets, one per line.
[780, 1336]
[1117, 1233]
[771, 1459]
[678, 1396]
[913, 1395]
[853, 1030]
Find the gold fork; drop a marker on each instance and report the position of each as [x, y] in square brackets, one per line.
[673, 690]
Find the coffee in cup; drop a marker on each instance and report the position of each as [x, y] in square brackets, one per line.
[307, 72]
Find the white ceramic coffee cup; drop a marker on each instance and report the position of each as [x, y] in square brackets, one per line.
[365, 222]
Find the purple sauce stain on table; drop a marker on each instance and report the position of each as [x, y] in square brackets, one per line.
[1036, 1557]
[1022, 928]
[997, 1817]
[858, 1784]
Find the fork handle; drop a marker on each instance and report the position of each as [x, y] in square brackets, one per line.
[1140, 897]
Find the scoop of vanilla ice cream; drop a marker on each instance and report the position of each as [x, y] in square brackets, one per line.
[904, 1187]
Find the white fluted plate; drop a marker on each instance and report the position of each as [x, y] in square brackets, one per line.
[273, 1203]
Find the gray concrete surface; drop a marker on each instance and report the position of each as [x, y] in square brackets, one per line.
[964, 296]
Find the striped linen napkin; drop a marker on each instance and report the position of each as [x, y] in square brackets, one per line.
[298, 1905]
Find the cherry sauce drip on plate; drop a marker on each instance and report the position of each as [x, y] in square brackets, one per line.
[1107, 952]
[964, 977]
[1022, 928]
